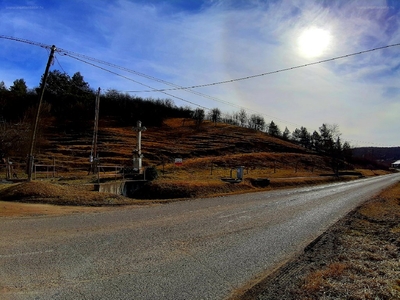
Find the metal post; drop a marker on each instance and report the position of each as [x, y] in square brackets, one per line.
[54, 167]
[8, 169]
[33, 138]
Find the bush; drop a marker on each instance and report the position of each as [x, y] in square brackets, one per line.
[151, 173]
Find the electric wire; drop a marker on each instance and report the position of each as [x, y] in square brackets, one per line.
[188, 88]
[87, 91]
[25, 41]
[179, 98]
[77, 55]
[56, 59]
[273, 72]
[130, 79]
[175, 86]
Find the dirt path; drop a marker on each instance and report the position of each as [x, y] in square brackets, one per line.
[15, 209]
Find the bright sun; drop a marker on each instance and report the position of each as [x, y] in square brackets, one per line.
[313, 42]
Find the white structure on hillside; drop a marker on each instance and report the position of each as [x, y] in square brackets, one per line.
[396, 164]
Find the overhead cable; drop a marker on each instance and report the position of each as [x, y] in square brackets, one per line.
[272, 72]
[130, 79]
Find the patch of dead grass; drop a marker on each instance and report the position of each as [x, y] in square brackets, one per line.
[51, 193]
[319, 279]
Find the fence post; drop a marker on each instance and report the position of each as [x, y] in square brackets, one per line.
[8, 169]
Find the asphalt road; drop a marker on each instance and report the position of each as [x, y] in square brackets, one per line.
[197, 249]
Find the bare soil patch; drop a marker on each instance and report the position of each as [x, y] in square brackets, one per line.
[51, 193]
[357, 258]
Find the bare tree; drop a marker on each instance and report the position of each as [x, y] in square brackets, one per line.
[214, 115]
[256, 122]
[242, 117]
[198, 116]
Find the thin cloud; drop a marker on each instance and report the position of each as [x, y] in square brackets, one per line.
[213, 41]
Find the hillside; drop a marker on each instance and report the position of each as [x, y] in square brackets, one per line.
[176, 138]
[210, 153]
[383, 155]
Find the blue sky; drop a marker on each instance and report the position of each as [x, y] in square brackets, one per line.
[189, 42]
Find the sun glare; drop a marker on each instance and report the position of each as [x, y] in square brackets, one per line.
[313, 42]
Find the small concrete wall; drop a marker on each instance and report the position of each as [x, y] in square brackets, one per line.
[126, 188]
[110, 187]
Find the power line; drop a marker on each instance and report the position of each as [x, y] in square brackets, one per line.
[189, 89]
[272, 72]
[168, 94]
[130, 79]
[25, 41]
[81, 57]
[59, 64]
[87, 91]
[176, 87]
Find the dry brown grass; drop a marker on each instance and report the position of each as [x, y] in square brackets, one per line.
[209, 153]
[159, 145]
[51, 193]
[320, 278]
[365, 260]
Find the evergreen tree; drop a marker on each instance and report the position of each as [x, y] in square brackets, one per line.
[305, 137]
[273, 129]
[316, 141]
[3, 86]
[19, 87]
[286, 134]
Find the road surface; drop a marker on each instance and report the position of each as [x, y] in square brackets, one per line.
[196, 249]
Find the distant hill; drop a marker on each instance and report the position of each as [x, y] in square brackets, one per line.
[382, 155]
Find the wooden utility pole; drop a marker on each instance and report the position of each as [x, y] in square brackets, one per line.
[35, 126]
[93, 153]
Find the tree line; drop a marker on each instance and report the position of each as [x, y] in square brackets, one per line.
[70, 101]
[325, 140]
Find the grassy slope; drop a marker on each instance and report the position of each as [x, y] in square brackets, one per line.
[209, 153]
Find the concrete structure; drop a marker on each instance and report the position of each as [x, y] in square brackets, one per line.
[126, 188]
[137, 153]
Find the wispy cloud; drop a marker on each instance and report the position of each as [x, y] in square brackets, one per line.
[197, 42]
